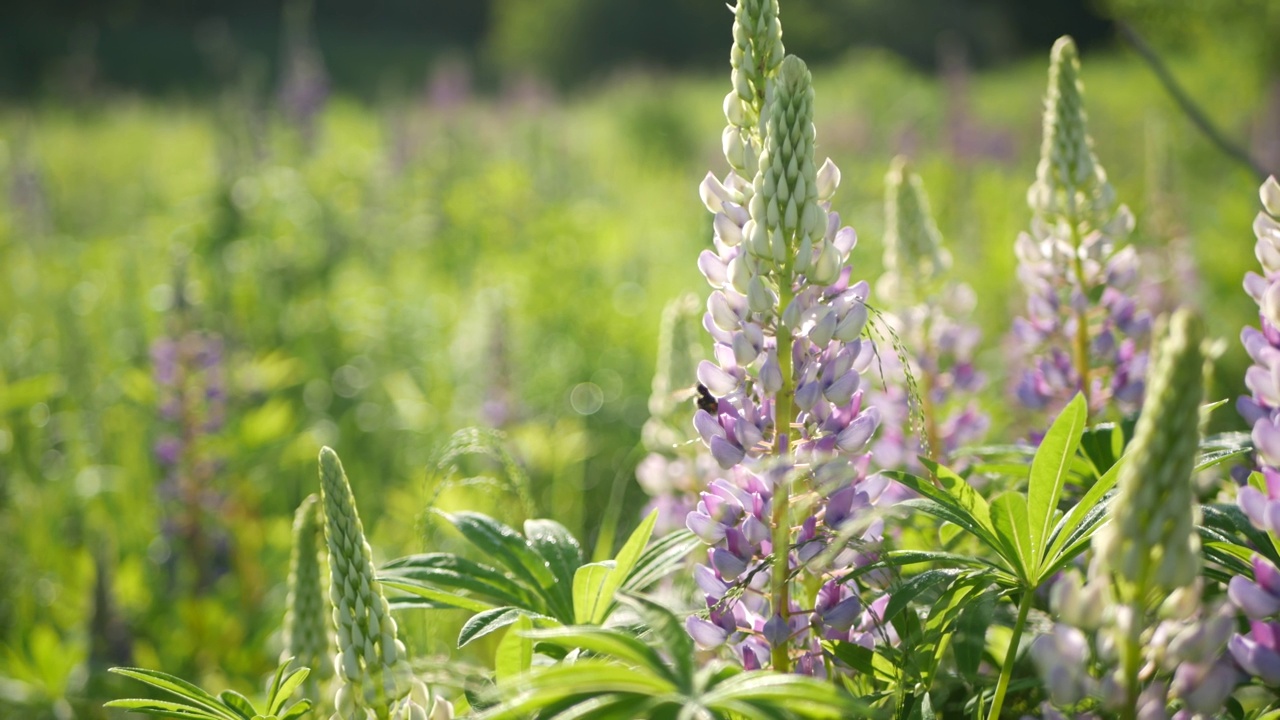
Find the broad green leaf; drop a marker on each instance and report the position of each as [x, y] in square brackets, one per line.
[666, 555]
[626, 561]
[1009, 513]
[179, 687]
[901, 595]
[969, 641]
[449, 571]
[280, 695]
[949, 508]
[165, 708]
[1049, 470]
[436, 597]
[515, 652]
[238, 704]
[588, 590]
[296, 710]
[557, 546]
[1069, 523]
[963, 493]
[613, 643]
[669, 632]
[481, 624]
[504, 544]
[805, 696]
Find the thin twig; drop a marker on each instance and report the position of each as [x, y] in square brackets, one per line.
[1188, 106]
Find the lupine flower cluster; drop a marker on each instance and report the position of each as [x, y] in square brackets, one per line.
[928, 321]
[187, 366]
[1258, 652]
[375, 680]
[304, 84]
[674, 470]
[1145, 658]
[1083, 330]
[784, 389]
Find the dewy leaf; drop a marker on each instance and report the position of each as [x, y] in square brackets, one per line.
[505, 544]
[515, 652]
[624, 564]
[588, 590]
[1009, 513]
[1049, 474]
[483, 623]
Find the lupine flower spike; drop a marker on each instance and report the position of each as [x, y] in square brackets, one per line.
[373, 668]
[1258, 652]
[928, 319]
[307, 637]
[785, 386]
[1083, 331]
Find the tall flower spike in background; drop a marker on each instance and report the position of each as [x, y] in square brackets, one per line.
[785, 384]
[373, 667]
[927, 317]
[1083, 330]
[307, 637]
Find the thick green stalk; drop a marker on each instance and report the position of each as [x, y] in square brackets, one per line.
[1082, 340]
[782, 414]
[1006, 671]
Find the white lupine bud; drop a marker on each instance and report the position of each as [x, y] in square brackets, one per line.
[368, 647]
[759, 296]
[740, 274]
[827, 268]
[804, 257]
[771, 373]
[729, 232]
[828, 180]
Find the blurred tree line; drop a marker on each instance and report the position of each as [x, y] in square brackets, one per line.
[373, 47]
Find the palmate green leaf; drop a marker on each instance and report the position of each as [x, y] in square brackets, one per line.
[166, 708]
[611, 643]
[797, 694]
[969, 641]
[546, 686]
[502, 543]
[483, 623]
[295, 711]
[1009, 514]
[562, 552]
[902, 558]
[238, 703]
[666, 555]
[452, 572]
[199, 698]
[964, 494]
[515, 652]
[1235, 524]
[1066, 530]
[964, 506]
[625, 562]
[902, 595]
[1233, 557]
[282, 686]
[669, 633]
[433, 597]
[588, 590]
[1049, 471]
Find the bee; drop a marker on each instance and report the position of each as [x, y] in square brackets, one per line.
[707, 401]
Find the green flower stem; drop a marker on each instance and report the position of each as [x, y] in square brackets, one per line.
[1082, 320]
[1006, 671]
[782, 414]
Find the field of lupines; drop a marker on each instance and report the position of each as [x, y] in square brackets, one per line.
[1004, 486]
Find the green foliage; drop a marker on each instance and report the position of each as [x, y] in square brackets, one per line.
[539, 575]
[622, 676]
[228, 705]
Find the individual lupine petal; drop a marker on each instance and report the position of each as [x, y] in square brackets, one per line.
[828, 180]
[729, 566]
[759, 297]
[726, 453]
[714, 194]
[716, 379]
[850, 326]
[1266, 440]
[1204, 687]
[706, 634]
[1270, 196]
[808, 394]
[1255, 600]
[841, 391]
[709, 583]
[708, 530]
[713, 268]
[771, 373]
[855, 436]
[1256, 658]
[776, 632]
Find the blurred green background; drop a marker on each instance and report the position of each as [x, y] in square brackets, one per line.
[371, 225]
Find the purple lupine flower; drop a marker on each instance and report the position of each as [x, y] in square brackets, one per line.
[1082, 331]
[304, 83]
[1258, 653]
[1262, 407]
[1258, 598]
[930, 416]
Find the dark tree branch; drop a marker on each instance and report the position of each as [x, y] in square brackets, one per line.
[1188, 106]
